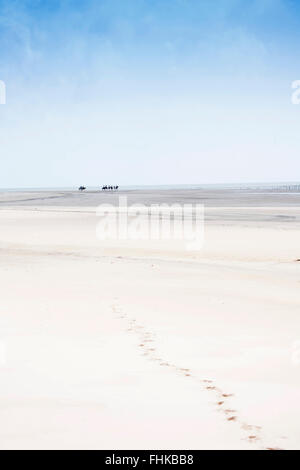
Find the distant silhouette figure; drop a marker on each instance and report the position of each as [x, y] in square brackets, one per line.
[81, 188]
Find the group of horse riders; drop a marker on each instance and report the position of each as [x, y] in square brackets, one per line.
[110, 188]
[104, 188]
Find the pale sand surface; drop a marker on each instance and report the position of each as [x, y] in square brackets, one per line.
[114, 344]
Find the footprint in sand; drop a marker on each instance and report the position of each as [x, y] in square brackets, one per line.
[253, 438]
[229, 412]
[250, 427]
[182, 370]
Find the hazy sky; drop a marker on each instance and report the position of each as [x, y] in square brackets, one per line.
[148, 91]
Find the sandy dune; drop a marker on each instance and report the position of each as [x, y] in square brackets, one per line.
[144, 344]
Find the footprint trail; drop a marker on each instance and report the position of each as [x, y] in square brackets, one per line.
[146, 343]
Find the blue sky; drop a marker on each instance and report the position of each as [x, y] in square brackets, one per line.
[148, 91]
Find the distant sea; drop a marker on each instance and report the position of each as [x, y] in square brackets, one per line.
[245, 186]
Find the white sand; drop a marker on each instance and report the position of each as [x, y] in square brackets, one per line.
[96, 333]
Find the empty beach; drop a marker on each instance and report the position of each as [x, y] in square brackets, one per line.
[142, 344]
